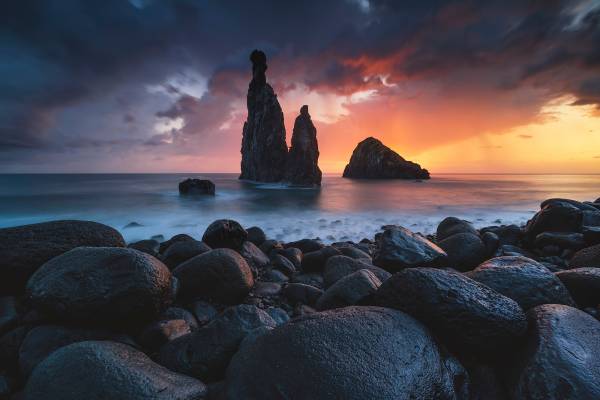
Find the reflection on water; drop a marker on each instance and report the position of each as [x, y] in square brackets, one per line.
[342, 209]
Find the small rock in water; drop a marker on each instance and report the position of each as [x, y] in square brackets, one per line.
[196, 186]
[133, 225]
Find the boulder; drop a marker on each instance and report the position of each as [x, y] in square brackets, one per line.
[315, 260]
[591, 234]
[8, 314]
[196, 186]
[102, 285]
[221, 275]
[206, 353]
[23, 249]
[465, 250]
[468, 316]
[562, 240]
[256, 235]
[491, 242]
[182, 251]
[264, 149]
[588, 257]
[313, 279]
[225, 233]
[338, 267]
[301, 293]
[203, 311]
[302, 167]
[156, 334]
[349, 290]
[305, 245]
[398, 248]
[97, 370]
[583, 284]
[524, 280]
[182, 237]
[371, 159]
[452, 225]
[354, 252]
[591, 218]
[254, 256]
[179, 313]
[348, 353]
[555, 216]
[273, 275]
[149, 246]
[293, 254]
[562, 356]
[282, 264]
[507, 234]
[10, 343]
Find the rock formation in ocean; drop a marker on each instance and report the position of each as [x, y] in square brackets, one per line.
[302, 164]
[371, 159]
[264, 150]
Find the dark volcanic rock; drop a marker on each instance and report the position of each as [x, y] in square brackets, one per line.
[555, 216]
[225, 233]
[315, 260]
[371, 159]
[338, 267]
[302, 167]
[221, 275]
[23, 249]
[182, 237]
[349, 353]
[399, 248]
[562, 357]
[465, 314]
[563, 240]
[465, 250]
[196, 186]
[306, 245]
[349, 290]
[282, 264]
[452, 225]
[524, 280]
[102, 285]
[182, 251]
[254, 256]
[256, 235]
[206, 353]
[588, 257]
[149, 246]
[583, 284]
[98, 370]
[301, 293]
[264, 150]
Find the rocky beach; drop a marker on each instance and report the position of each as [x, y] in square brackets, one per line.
[500, 312]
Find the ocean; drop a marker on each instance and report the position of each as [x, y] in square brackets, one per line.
[341, 209]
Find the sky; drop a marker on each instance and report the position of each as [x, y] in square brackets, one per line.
[509, 86]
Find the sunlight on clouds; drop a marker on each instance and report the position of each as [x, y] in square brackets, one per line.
[164, 125]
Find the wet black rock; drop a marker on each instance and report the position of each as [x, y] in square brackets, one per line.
[10, 343]
[264, 149]
[221, 275]
[583, 284]
[179, 313]
[507, 234]
[269, 245]
[338, 267]
[273, 275]
[591, 234]
[313, 279]
[23, 249]
[256, 235]
[452, 225]
[371, 159]
[149, 246]
[9, 316]
[293, 254]
[557, 216]
[196, 186]
[491, 242]
[562, 356]
[206, 353]
[102, 285]
[466, 315]
[45, 339]
[282, 264]
[465, 250]
[354, 252]
[225, 233]
[107, 370]
[156, 334]
[562, 240]
[524, 280]
[302, 167]
[349, 290]
[348, 353]
[315, 260]
[203, 311]
[306, 245]
[398, 248]
[588, 257]
[301, 293]
[254, 256]
[182, 237]
[182, 251]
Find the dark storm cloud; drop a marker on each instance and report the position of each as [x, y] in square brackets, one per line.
[60, 53]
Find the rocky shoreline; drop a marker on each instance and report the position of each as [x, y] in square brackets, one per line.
[501, 312]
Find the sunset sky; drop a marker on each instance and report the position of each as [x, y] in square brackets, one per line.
[160, 86]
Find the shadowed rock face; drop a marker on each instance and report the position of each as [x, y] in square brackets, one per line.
[371, 159]
[302, 166]
[264, 150]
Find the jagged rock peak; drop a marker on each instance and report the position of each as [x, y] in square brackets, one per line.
[302, 165]
[259, 66]
[371, 159]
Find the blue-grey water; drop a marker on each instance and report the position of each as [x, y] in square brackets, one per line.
[341, 210]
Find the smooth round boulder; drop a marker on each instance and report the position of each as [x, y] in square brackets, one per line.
[179, 313]
[24, 249]
[306, 245]
[451, 226]
[293, 254]
[100, 370]
[338, 267]
[225, 233]
[149, 246]
[156, 334]
[349, 353]
[256, 235]
[583, 284]
[254, 256]
[102, 285]
[555, 216]
[9, 316]
[468, 316]
[221, 275]
[282, 264]
[588, 257]
[349, 290]
[194, 186]
[182, 251]
[465, 250]
[301, 293]
[561, 359]
[182, 237]
[522, 279]
[315, 260]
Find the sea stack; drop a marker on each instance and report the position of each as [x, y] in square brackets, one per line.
[264, 150]
[302, 164]
[371, 159]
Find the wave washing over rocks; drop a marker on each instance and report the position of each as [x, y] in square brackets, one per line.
[500, 312]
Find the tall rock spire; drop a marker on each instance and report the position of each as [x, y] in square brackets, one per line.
[302, 165]
[264, 150]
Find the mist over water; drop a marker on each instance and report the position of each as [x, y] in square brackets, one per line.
[342, 209]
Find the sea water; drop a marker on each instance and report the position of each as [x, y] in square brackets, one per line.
[342, 209]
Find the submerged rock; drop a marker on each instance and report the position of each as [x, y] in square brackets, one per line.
[196, 186]
[302, 167]
[264, 149]
[371, 159]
